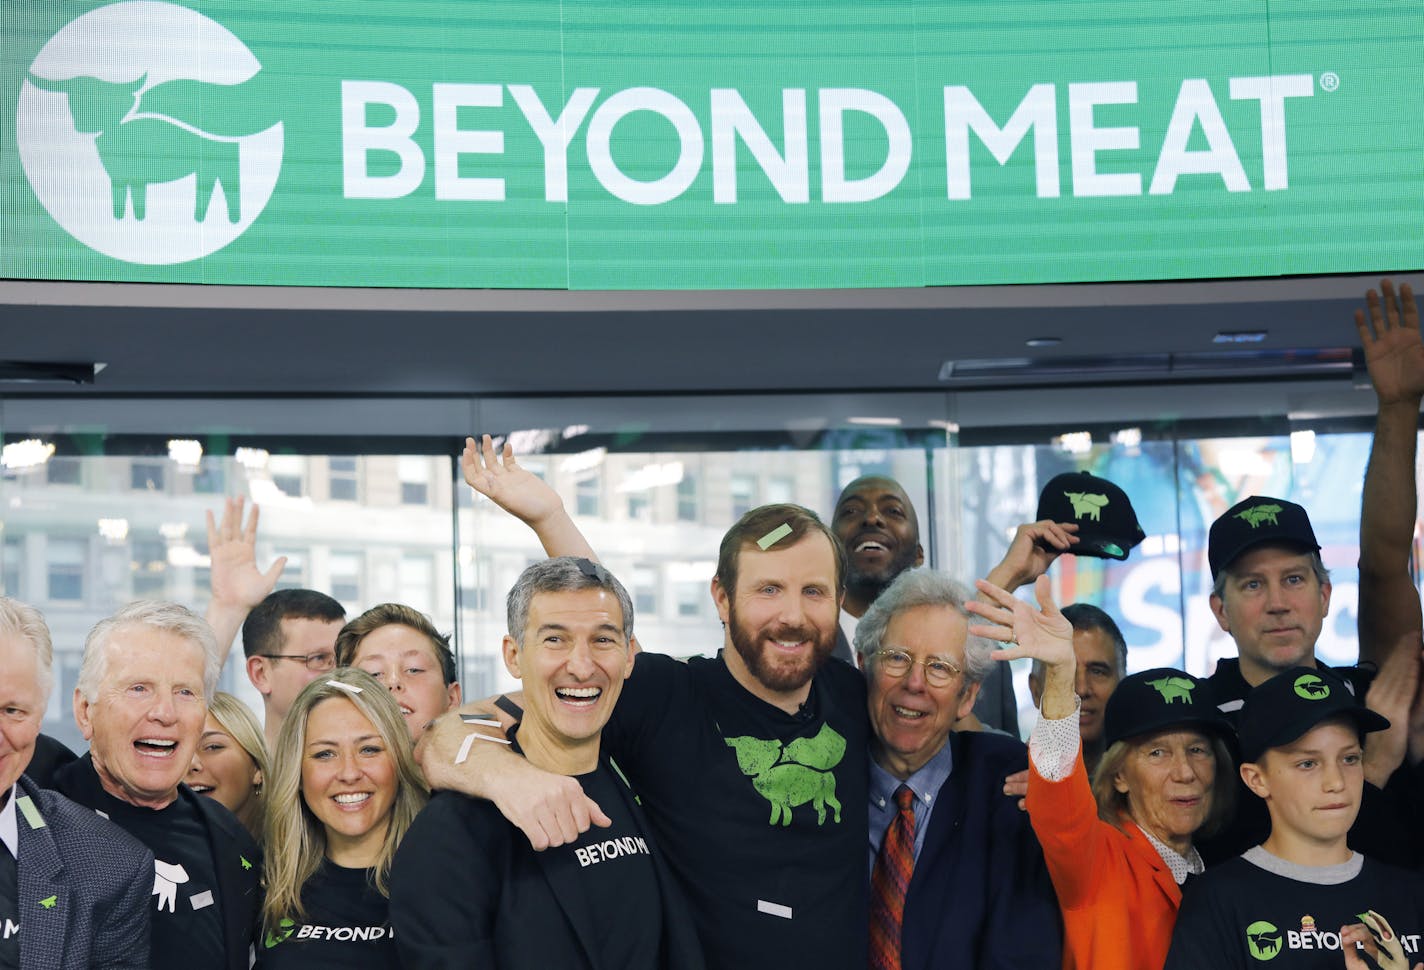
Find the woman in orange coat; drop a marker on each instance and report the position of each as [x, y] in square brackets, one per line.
[1120, 848]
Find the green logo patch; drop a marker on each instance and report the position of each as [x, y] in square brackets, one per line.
[1173, 689]
[1258, 514]
[1263, 940]
[1086, 504]
[793, 774]
[49, 901]
[285, 928]
[245, 863]
[1311, 687]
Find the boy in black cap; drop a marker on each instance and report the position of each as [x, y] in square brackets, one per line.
[1300, 896]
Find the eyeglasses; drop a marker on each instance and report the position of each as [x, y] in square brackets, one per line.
[317, 663]
[897, 663]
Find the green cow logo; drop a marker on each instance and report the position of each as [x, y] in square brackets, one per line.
[793, 774]
[1263, 940]
[159, 146]
[1311, 687]
[1257, 514]
[49, 901]
[1173, 689]
[1086, 504]
[285, 929]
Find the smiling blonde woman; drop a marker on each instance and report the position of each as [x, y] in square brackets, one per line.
[344, 790]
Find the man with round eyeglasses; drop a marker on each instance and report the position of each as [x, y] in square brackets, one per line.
[957, 877]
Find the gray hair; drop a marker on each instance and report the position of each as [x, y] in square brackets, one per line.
[1084, 617]
[923, 587]
[27, 623]
[155, 615]
[1317, 566]
[558, 575]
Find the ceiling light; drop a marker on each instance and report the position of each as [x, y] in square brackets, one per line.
[1075, 442]
[876, 422]
[253, 459]
[584, 461]
[1240, 337]
[1043, 341]
[114, 530]
[1127, 437]
[30, 453]
[651, 476]
[186, 453]
[1302, 446]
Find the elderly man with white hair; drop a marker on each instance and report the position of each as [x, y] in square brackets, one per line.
[73, 888]
[957, 876]
[144, 684]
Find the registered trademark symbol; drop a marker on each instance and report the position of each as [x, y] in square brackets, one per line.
[1329, 81]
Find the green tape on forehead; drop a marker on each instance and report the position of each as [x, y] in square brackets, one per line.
[768, 540]
[32, 814]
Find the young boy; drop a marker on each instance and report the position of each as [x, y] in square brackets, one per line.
[1292, 900]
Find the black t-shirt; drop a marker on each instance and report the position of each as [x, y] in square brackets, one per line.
[761, 814]
[346, 927]
[187, 912]
[609, 867]
[1240, 915]
[9, 910]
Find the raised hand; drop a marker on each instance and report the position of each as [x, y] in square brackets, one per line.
[499, 478]
[1035, 547]
[1378, 939]
[1042, 634]
[232, 546]
[1394, 352]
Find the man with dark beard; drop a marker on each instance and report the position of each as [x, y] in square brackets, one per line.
[749, 765]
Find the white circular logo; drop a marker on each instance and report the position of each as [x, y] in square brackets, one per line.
[122, 130]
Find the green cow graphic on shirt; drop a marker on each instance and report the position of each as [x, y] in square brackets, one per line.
[1263, 939]
[789, 775]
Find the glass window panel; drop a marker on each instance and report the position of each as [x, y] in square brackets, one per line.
[147, 476]
[743, 495]
[342, 480]
[10, 572]
[687, 507]
[62, 471]
[588, 492]
[417, 582]
[66, 560]
[149, 563]
[346, 578]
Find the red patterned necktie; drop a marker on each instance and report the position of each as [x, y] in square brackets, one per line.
[889, 881]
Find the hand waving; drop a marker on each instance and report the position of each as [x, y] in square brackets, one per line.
[236, 580]
[1043, 634]
[499, 478]
[1394, 353]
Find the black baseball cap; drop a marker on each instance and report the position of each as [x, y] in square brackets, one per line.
[1158, 699]
[1254, 521]
[1282, 709]
[1107, 525]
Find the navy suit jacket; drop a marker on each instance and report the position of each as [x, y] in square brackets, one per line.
[236, 858]
[84, 886]
[980, 896]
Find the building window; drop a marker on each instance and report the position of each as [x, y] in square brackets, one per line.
[744, 489]
[145, 476]
[210, 478]
[645, 590]
[346, 577]
[687, 498]
[780, 490]
[587, 494]
[65, 562]
[689, 598]
[63, 471]
[640, 509]
[414, 473]
[294, 574]
[288, 473]
[10, 569]
[341, 480]
[149, 564]
[417, 582]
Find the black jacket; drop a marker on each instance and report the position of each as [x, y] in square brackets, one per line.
[467, 890]
[236, 857]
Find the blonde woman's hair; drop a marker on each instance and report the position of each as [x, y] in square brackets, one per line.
[241, 725]
[1113, 805]
[295, 840]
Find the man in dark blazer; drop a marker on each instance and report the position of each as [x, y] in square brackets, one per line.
[957, 877]
[467, 888]
[73, 888]
[141, 703]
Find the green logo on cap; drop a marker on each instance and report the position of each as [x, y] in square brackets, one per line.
[1311, 687]
[1263, 940]
[1257, 514]
[1085, 503]
[1173, 689]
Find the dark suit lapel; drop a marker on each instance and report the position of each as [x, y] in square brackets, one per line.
[575, 908]
[44, 902]
[233, 883]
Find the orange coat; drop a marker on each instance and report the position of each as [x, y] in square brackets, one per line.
[1118, 897]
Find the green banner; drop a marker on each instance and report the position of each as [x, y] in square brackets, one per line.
[671, 144]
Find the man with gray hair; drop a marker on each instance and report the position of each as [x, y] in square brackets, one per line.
[147, 674]
[957, 877]
[468, 890]
[73, 888]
